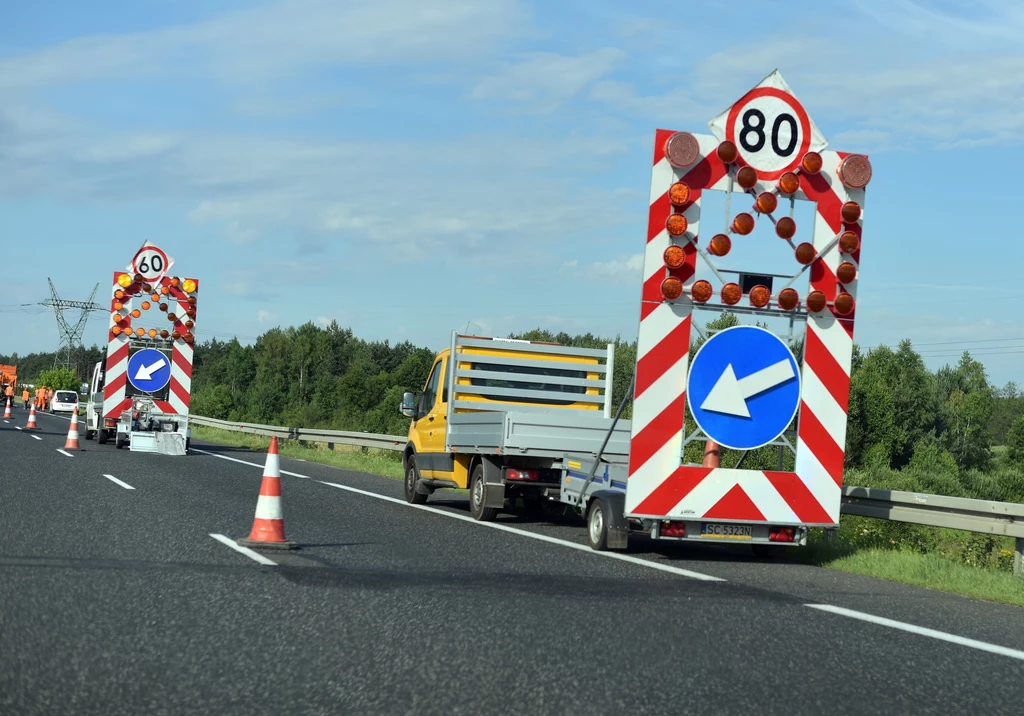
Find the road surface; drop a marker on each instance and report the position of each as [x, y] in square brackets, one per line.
[116, 599]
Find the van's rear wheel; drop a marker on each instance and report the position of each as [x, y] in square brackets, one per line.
[597, 525]
[411, 476]
[476, 496]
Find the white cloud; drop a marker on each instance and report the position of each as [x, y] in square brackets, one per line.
[264, 316]
[276, 39]
[626, 269]
[256, 187]
[546, 79]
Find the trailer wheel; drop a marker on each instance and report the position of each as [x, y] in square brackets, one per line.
[597, 525]
[101, 436]
[411, 476]
[90, 434]
[119, 441]
[476, 496]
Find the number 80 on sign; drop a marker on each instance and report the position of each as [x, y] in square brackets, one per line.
[770, 129]
[151, 263]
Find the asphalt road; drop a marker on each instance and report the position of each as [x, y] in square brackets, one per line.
[117, 600]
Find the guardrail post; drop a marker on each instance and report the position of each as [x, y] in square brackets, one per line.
[1018, 557]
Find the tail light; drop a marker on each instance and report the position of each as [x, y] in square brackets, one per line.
[512, 473]
[672, 529]
[782, 534]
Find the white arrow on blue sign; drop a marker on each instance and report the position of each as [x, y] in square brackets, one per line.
[744, 387]
[149, 370]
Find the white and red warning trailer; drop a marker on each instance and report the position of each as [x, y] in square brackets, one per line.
[141, 392]
[745, 388]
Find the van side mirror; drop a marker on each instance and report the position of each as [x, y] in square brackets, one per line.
[408, 405]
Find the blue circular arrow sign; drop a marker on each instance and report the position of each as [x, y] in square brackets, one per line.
[744, 387]
[149, 370]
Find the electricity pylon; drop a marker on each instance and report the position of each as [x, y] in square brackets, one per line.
[70, 334]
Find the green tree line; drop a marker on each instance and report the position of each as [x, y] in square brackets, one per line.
[314, 376]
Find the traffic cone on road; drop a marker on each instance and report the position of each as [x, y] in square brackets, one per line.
[32, 425]
[268, 525]
[7, 411]
[72, 441]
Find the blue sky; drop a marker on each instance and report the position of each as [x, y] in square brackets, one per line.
[407, 168]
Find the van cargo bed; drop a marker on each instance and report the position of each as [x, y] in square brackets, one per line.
[536, 433]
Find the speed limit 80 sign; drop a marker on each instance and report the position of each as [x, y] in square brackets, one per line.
[770, 128]
[151, 262]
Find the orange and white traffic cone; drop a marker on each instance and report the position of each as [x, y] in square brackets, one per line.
[32, 425]
[72, 441]
[268, 525]
[7, 411]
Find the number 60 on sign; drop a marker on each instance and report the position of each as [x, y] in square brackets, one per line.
[151, 263]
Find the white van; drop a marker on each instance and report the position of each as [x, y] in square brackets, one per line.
[64, 401]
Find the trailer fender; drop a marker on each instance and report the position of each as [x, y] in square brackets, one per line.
[494, 483]
[615, 514]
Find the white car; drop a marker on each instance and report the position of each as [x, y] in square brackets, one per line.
[64, 401]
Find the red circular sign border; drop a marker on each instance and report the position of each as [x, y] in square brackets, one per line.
[163, 255]
[798, 110]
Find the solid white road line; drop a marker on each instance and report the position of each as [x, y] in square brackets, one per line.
[36, 437]
[922, 631]
[62, 452]
[113, 479]
[19, 427]
[244, 550]
[497, 526]
[533, 535]
[245, 462]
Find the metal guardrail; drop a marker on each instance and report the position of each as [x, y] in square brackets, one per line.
[959, 513]
[331, 437]
[1005, 519]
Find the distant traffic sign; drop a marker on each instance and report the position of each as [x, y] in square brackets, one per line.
[770, 128]
[149, 370]
[151, 262]
[744, 387]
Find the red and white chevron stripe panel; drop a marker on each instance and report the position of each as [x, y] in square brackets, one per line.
[115, 400]
[659, 486]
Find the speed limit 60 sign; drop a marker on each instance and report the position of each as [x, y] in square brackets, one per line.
[151, 262]
[770, 128]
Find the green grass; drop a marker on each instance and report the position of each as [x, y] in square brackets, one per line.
[387, 463]
[931, 571]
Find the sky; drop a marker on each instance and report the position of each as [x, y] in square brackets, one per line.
[410, 168]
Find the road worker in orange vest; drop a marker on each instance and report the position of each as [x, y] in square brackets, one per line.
[25, 395]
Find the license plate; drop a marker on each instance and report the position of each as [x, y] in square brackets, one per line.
[726, 531]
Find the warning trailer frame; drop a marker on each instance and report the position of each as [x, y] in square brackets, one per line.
[659, 485]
